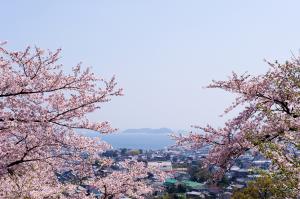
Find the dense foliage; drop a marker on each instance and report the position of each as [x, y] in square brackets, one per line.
[267, 186]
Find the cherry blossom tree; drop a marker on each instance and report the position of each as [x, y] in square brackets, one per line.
[269, 121]
[41, 106]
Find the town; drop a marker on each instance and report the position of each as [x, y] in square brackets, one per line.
[186, 177]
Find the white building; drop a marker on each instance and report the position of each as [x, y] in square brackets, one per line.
[162, 165]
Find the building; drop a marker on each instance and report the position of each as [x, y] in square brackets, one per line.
[162, 165]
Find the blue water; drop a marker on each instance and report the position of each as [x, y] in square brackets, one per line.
[138, 140]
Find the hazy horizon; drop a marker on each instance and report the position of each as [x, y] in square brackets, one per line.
[162, 52]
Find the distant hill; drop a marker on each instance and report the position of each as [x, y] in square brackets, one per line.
[129, 131]
[143, 138]
[149, 130]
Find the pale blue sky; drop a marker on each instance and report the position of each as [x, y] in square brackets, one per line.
[162, 52]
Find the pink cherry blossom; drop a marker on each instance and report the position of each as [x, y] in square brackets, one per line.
[269, 120]
[41, 106]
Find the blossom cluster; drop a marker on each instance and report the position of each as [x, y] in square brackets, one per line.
[41, 108]
[269, 120]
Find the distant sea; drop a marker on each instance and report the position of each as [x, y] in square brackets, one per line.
[138, 138]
